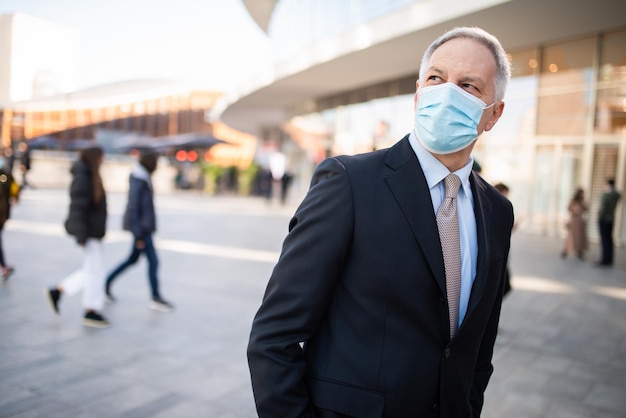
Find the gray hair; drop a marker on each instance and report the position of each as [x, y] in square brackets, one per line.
[503, 66]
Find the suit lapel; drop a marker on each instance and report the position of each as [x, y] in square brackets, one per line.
[409, 187]
[482, 212]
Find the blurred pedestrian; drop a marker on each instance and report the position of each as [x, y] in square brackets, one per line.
[606, 221]
[285, 182]
[504, 189]
[9, 194]
[140, 219]
[25, 162]
[9, 158]
[576, 239]
[386, 297]
[87, 223]
[266, 184]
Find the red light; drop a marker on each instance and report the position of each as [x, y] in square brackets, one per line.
[192, 156]
[181, 155]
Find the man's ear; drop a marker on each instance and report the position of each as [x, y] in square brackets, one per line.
[498, 108]
[416, 95]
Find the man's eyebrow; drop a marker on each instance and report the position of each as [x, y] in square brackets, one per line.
[436, 70]
[471, 79]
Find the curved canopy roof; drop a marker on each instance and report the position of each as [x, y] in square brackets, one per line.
[518, 24]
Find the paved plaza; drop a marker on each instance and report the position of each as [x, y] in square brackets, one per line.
[561, 351]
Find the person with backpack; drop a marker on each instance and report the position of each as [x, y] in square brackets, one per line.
[140, 219]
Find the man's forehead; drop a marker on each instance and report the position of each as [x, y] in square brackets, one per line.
[464, 54]
[464, 47]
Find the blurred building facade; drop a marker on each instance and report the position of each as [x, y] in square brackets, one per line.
[39, 102]
[343, 74]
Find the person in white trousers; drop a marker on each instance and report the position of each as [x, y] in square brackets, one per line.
[87, 223]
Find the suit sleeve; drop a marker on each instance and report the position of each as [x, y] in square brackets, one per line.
[299, 292]
[484, 367]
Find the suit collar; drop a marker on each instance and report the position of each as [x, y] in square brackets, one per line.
[434, 170]
[408, 185]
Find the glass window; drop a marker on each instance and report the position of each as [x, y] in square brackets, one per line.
[611, 107]
[542, 187]
[605, 162]
[565, 87]
[569, 179]
[524, 63]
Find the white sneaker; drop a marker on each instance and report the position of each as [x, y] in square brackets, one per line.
[161, 305]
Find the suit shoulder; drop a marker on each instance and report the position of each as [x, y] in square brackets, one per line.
[494, 194]
[364, 159]
[369, 164]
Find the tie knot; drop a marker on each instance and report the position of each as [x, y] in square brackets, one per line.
[452, 184]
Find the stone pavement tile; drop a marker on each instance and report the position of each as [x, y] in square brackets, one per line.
[12, 393]
[571, 409]
[565, 386]
[137, 401]
[11, 359]
[238, 404]
[164, 403]
[551, 364]
[37, 405]
[529, 400]
[90, 388]
[510, 358]
[193, 408]
[526, 378]
[209, 385]
[151, 366]
[607, 375]
[47, 376]
[610, 399]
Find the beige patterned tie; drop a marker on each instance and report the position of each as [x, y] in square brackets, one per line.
[448, 224]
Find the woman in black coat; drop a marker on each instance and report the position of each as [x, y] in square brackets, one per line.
[87, 223]
[9, 191]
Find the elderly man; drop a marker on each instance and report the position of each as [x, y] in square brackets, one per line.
[386, 298]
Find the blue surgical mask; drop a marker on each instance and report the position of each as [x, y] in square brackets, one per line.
[447, 118]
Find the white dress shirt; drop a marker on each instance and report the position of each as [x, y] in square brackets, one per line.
[435, 173]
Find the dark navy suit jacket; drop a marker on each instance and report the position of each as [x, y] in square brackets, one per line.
[354, 321]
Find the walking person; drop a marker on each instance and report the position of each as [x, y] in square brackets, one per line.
[606, 221]
[87, 223]
[576, 239]
[386, 297]
[25, 162]
[140, 219]
[9, 159]
[9, 194]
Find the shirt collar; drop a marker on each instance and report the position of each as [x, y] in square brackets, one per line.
[435, 171]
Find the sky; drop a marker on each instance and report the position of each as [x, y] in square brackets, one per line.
[213, 43]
